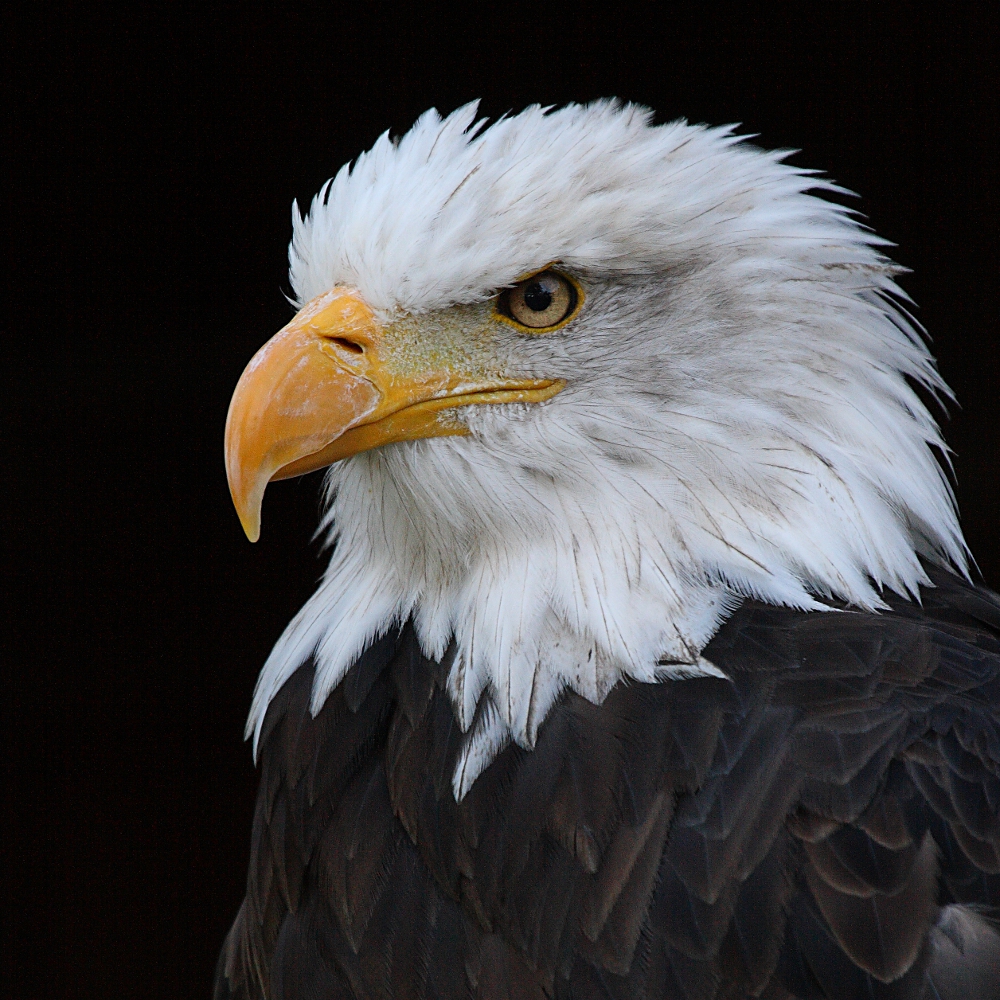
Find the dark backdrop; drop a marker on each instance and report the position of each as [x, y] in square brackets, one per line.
[155, 162]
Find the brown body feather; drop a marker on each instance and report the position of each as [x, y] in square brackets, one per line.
[823, 825]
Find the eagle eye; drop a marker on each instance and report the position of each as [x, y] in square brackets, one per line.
[540, 303]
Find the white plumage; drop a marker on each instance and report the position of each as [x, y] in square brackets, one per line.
[738, 418]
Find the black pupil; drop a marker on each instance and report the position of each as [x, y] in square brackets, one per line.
[537, 297]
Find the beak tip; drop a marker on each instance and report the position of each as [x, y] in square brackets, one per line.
[249, 515]
[248, 502]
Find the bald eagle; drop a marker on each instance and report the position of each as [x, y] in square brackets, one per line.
[647, 662]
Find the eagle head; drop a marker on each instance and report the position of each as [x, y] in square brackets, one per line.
[583, 384]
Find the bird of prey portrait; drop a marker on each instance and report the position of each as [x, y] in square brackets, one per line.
[647, 663]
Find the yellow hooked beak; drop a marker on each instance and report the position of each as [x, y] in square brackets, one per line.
[330, 385]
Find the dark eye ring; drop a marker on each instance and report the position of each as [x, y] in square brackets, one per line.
[541, 302]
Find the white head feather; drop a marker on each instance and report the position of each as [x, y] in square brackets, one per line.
[738, 419]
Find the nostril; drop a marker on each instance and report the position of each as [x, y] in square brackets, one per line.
[348, 345]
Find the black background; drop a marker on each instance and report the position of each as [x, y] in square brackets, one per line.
[155, 162]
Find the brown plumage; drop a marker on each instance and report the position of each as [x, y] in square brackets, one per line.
[824, 825]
